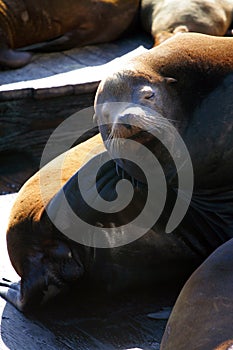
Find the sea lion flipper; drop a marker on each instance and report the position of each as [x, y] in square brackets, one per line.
[57, 44]
[61, 43]
[11, 293]
[13, 59]
[30, 294]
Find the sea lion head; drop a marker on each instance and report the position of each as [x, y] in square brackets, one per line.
[137, 104]
[173, 86]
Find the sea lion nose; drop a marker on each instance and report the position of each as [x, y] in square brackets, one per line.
[112, 112]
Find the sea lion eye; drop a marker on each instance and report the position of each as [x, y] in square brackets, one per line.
[149, 96]
[147, 93]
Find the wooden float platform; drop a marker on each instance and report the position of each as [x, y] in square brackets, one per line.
[35, 99]
[80, 322]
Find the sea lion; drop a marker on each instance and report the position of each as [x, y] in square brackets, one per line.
[202, 316]
[49, 263]
[179, 82]
[164, 18]
[188, 81]
[71, 24]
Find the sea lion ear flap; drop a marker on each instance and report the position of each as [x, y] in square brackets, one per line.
[169, 80]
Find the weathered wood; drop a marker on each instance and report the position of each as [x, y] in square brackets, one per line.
[35, 99]
[25, 126]
[84, 322]
[73, 67]
[29, 130]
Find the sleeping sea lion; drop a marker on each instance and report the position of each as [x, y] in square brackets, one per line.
[71, 24]
[164, 18]
[184, 84]
[202, 316]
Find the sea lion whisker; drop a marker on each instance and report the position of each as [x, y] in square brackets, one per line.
[133, 181]
[152, 124]
[117, 169]
[157, 121]
[110, 142]
[156, 117]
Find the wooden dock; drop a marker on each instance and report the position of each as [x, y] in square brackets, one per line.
[35, 99]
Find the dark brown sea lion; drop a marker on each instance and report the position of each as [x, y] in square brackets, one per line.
[164, 18]
[203, 313]
[74, 23]
[186, 82]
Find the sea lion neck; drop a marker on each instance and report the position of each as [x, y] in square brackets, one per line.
[203, 60]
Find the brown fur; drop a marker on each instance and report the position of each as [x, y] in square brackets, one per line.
[82, 22]
[35, 195]
[198, 100]
[202, 316]
[163, 18]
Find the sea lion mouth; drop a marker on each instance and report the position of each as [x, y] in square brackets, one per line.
[117, 138]
[126, 167]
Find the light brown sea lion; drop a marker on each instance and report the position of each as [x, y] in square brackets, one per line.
[186, 82]
[27, 214]
[74, 23]
[203, 314]
[164, 18]
[49, 263]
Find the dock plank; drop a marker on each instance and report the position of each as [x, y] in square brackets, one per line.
[47, 65]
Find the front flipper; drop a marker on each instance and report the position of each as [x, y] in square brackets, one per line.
[11, 293]
[12, 59]
[27, 296]
[61, 43]
[44, 276]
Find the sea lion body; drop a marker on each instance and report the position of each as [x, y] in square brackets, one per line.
[74, 23]
[180, 81]
[163, 18]
[49, 263]
[202, 316]
[188, 81]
